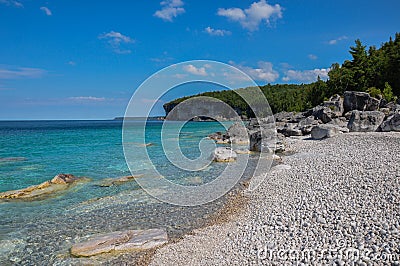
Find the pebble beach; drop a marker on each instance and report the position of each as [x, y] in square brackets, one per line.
[335, 201]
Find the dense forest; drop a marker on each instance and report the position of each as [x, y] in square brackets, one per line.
[376, 71]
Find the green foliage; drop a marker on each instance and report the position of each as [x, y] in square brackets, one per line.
[374, 92]
[387, 92]
[368, 69]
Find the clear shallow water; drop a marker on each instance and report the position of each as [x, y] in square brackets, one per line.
[41, 232]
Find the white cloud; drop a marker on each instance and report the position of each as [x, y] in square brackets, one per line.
[312, 56]
[335, 41]
[72, 63]
[263, 72]
[251, 17]
[115, 40]
[170, 9]
[216, 32]
[306, 75]
[46, 10]
[11, 3]
[198, 71]
[87, 99]
[21, 72]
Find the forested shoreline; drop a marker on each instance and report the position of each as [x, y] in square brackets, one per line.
[373, 70]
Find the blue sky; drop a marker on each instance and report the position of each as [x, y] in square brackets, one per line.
[84, 59]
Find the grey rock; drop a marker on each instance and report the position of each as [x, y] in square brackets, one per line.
[368, 121]
[323, 113]
[362, 101]
[290, 129]
[120, 241]
[224, 154]
[289, 117]
[335, 104]
[238, 134]
[392, 123]
[261, 141]
[325, 131]
[340, 122]
[307, 124]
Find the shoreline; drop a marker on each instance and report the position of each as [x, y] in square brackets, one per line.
[294, 205]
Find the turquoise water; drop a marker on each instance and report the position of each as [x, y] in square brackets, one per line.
[41, 232]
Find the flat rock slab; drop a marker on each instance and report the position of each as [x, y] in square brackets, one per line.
[59, 183]
[129, 240]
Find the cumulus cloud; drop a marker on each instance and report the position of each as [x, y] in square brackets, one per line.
[251, 17]
[87, 99]
[306, 75]
[335, 41]
[198, 71]
[216, 32]
[21, 72]
[170, 9]
[263, 72]
[115, 40]
[46, 10]
[11, 3]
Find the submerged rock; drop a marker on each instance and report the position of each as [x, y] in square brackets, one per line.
[59, 183]
[118, 181]
[129, 240]
[224, 154]
[13, 159]
[368, 121]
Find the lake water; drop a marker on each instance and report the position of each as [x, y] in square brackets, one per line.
[42, 231]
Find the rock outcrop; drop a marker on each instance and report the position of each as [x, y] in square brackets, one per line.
[224, 155]
[325, 131]
[356, 112]
[130, 240]
[361, 101]
[392, 123]
[367, 121]
[59, 183]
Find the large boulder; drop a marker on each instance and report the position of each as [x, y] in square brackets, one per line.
[59, 183]
[361, 101]
[322, 113]
[238, 134]
[368, 121]
[130, 240]
[224, 154]
[392, 123]
[335, 104]
[265, 143]
[307, 124]
[325, 131]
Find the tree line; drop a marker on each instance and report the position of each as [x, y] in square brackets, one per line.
[372, 70]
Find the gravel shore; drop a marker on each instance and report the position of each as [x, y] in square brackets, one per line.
[338, 204]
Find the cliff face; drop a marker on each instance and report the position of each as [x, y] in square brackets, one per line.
[200, 107]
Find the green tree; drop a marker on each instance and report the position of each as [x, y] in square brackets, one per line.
[387, 92]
